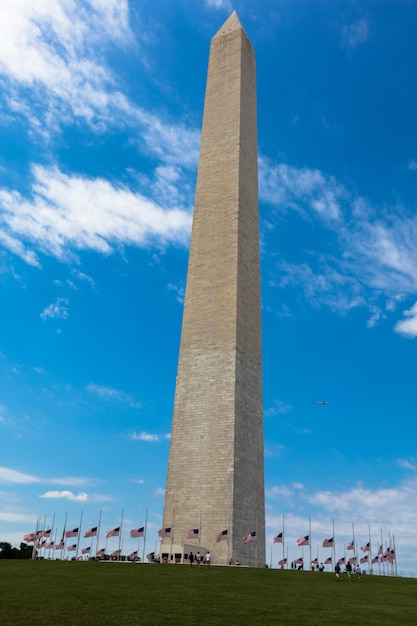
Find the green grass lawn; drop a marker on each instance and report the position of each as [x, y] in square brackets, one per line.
[69, 592]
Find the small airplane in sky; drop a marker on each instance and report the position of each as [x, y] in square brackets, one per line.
[322, 402]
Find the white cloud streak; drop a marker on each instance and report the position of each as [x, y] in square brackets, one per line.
[377, 254]
[114, 395]
[65, 495]
[8, 475]
[67, 213]
[148, 437]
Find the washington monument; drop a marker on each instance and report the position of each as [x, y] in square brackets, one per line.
[215, 482]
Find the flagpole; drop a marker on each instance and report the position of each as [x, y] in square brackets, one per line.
[199, 530]
[370, 550]
[354, 543]
[35, 540]
[120, 535]
[283, 538]
[256, 542]
[334, 544]
[98, 534]
[63, 534]
[144, 536]
[395, 555]
[309, 536]
[79, 535]
[382, 555]
[52, 532]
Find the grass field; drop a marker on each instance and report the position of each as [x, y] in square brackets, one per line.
[39, 593]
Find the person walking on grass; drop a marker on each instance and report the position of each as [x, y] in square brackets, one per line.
[337, 570]
[198, 559]
[348, 570]
[358, 573]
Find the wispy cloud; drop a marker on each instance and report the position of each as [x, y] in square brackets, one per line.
[53, 48]
[114, 395]
[56, 310]
[69, 213]
[355, 33]
[143, 436]
[219, 4]
[409, 464]
[278, 408]
[376, 264]
[8, 475]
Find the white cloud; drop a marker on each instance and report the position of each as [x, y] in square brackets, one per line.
[116, 395]
[355, 34]
[408, 464]
[377, 257]
[8, 475]
[69, 213]
[412, 165]
[65, 495]
[279, 408]
[300, 188]
[56, 310]
[143, 436]
[53, 47]
[219, 4]
[16, 518]
[408, 327]
[71, 480]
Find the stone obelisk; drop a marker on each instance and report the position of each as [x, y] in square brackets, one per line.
[215, 479]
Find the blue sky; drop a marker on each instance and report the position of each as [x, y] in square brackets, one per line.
[100, 115]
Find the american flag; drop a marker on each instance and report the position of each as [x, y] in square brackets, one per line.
[116, 553]
[314, 561]
[350, 545]
[113, 533]
[85, 550]
[72, 548]
[137, 532]
[341, 561]
[352, 560]
[328, 543]
[328, 561]
[299, 561]
[91, 532]
[364, 559]
[365, 548]
[102, 551]
[49, 545]
[375, 559]
[29, 537]
[193, 533]
[59, 546]
[380, 550]
[222, 535]
[303, 541]
[250, 537]
[132, 554]
[164, 532]
[71, 533]
[282, 562]
[278, 538]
